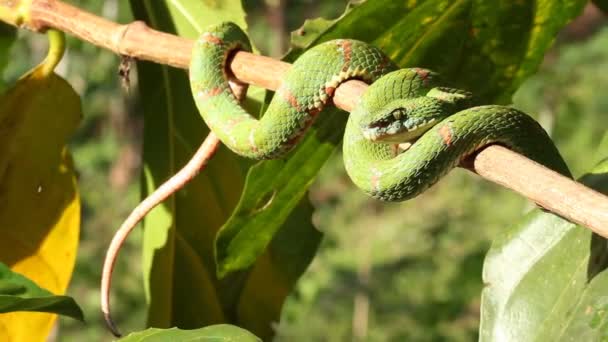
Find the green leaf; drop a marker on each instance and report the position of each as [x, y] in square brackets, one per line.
[179, 265]
[7, 37]
[544, 277]
[215, 333]
[589, 321]
[273, 189]
[18, 293]
[488, 47]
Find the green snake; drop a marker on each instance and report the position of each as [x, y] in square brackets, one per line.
[401, 106]
[407, 131]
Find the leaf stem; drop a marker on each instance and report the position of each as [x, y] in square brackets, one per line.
[56, 51]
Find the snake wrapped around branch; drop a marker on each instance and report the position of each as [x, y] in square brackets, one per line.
[402, 106]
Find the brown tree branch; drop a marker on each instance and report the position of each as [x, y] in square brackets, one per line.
[554, 192]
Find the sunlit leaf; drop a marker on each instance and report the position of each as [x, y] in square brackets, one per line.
[214, 333]
[178, 233]
[18, 293]
[544, 278]
[7, 37]
[39, 202]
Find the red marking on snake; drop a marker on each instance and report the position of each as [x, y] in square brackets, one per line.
[446, 134]
[313, 113]
[230, 123]
[290, 98]
[298, 135]
[205, 95]
[209, 38]
[384, 63]
[423, 74]
[294, 140]
[330, 90]
[347, 51]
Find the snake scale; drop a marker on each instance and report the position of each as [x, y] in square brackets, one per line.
[406, 132]
[401, 106]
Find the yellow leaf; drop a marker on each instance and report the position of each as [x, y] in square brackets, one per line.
[39, 201]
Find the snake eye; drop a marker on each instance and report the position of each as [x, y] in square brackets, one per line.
[399, 113]
[380, 123]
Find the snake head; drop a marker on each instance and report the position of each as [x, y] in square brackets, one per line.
[404, 120]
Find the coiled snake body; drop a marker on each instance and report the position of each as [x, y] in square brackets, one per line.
[401, 106]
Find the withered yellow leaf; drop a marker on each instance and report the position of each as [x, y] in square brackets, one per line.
[39, 200]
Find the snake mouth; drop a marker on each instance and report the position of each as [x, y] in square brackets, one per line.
[394, 131]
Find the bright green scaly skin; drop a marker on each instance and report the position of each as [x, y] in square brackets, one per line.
[305, 90]
[399, 107]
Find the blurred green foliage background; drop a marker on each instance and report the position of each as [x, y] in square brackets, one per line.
[409, 271]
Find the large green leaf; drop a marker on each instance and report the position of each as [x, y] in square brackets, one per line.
[18, 293]
[176, 250]
[273, 189]
[214, 333]
[7, 37]
[178, 240]
[545, 278]
[488, 47]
